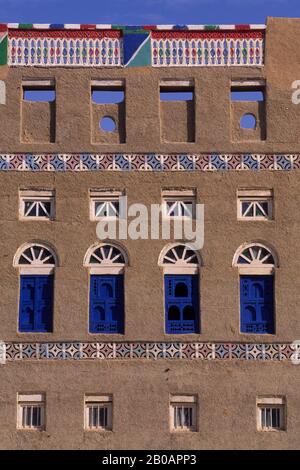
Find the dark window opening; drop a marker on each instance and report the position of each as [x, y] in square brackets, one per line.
[100, 313]
[173, 313]
[188, 312]
[181, 290]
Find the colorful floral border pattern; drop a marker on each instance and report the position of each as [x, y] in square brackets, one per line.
[151, 350]
[148, 162]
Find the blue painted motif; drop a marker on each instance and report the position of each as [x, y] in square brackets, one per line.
[250, 162]
[283, 162]
[217, 162]
[186, 162]
[136, 49]
[122, 162]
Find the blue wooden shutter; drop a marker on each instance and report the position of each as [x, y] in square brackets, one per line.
[36, 303]
[44, 304]
[181, 303]
[257, 304]
[107, 304]
[27, 301]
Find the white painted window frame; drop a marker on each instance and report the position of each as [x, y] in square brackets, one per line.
[105, 196]
[107, 267]
[184, 401]
[178, 196]
[27, 400]
[255, 196]
[35, 268]
[2, 92]
[256, 266]
[180, 266]
[36, 196]
[271, 402]
[104, 401]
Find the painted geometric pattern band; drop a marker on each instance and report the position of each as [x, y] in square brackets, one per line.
[153, 350]
[65, 51]
[96, 47]
[209, 49]
[148, 162]
[182, 27]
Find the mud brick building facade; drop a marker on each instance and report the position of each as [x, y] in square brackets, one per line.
[144, 343]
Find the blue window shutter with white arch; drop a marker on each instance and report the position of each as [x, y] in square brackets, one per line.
[106, 303]
[257, 304]
[36, 303]
[181, 303]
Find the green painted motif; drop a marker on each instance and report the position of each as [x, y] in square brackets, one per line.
[211, 27]
[143, 56]
[25, 25]
[3, 49]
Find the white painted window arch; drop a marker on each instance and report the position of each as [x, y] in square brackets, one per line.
[35, 257]
[180, 258]
[255, 258]
[106, 258]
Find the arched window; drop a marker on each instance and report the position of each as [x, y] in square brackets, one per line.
[36, 263]
[180, 264]
[106, 263]
[256, 264]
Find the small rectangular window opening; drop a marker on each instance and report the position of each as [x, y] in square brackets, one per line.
[108, 91]
[47, 95]
[247, 95]
[255, 204]
[183, 413]
[31, 411]
[98, 413]
[271, 414]
[37, 204]
[248, 90]
[107, 96]
[105, 204]
[179, 203]
[176, 95]
[39, 90]
[176, 90]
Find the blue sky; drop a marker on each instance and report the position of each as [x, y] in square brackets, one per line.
[146, 11]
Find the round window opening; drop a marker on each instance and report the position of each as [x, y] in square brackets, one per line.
[107, 124]
[248, 121]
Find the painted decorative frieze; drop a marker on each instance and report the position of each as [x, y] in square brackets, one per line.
[65, 48]
[148, 162]
[151, 350]
[207, 48]
[72, 45]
